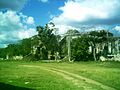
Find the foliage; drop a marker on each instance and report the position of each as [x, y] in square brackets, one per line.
[45, 42]
[2, 53]
[23, 48]
[72, 32]
[100, 36]
[48, 42]
[80, 48]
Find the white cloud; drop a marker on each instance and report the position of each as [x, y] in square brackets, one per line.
[26, 34]
[6, 18]
[88, 12]
[14, 27]
[30, 20]
[117, 28]
[44, 1]
[3, 45]
[63, 28]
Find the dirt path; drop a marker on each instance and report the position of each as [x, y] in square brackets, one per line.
[79, 81]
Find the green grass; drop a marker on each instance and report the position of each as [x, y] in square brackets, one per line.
[11, 73]
[108, 73]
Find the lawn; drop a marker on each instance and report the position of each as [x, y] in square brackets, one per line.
[20, 75]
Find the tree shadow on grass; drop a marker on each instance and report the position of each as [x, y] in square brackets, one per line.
[4, 86]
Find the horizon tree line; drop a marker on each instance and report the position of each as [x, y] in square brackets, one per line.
[47, 45]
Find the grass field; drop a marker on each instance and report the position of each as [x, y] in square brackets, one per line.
[16, 75]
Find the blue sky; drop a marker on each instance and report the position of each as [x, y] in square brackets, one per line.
[19, 18]
[42, 11]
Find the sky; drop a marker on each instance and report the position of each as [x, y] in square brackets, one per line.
[19, 18]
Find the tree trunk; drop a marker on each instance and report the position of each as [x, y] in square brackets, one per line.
[94, 53]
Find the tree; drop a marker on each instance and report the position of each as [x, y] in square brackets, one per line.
[25, 46]
[3, 53]
[80, 48]
[48, 41]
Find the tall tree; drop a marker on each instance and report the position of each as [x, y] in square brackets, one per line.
[80, 48]
[48, 41]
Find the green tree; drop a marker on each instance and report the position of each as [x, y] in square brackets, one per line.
[79, 48]
[48, 41]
